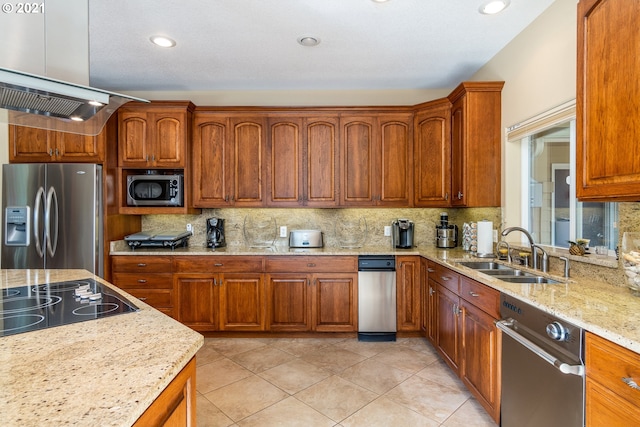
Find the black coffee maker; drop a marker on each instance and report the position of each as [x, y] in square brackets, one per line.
[215, 233]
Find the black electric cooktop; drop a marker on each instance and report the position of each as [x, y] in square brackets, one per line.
[29, 308]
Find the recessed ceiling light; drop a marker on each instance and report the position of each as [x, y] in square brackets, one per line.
[162, 41]
[379, 1]
[494, 6]
[308, 41]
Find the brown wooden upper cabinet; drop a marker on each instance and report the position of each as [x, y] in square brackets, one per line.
[476, 144]
[32, 145]
[608, 101]
[432, 154]
[154, 135]
[228, 160]
[375, 159]
[302, 161]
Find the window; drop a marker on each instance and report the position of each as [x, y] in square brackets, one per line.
[550, 209]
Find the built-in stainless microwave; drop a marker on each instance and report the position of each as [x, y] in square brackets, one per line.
[155, 190]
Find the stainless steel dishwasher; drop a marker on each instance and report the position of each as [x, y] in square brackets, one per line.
[542, 368]
[376, 298]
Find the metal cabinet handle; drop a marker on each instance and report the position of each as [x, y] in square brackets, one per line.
[431, 291]
[311, 264]
[142, 264]
[431, 270]
[631, 383]
[473, 294]
[445, 278]
[218, 264]
[142, 298]
[142, 281]
[50, 152]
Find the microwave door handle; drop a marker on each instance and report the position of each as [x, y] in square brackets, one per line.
[37, 207]
[52, 239]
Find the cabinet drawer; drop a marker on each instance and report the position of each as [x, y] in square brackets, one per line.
[151, 264]
[609, 364]
[309, 264]
[218, 264]
[157, 298]
[138, 280]
[482, 296]
[447, 278]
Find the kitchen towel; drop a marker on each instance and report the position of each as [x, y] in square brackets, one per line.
[485, 237]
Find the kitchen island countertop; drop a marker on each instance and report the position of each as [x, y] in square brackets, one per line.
[103, 372]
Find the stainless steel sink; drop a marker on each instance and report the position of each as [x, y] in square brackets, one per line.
[506, 272]
[485, 265]
[531, 279]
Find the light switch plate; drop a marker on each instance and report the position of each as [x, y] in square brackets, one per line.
[387, 230]
[283, 231]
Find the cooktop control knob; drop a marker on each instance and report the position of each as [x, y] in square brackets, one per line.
[557, 332]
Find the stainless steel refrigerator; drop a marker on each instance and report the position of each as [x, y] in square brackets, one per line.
[52, 216]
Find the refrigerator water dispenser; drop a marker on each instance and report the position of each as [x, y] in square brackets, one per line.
[17, 225]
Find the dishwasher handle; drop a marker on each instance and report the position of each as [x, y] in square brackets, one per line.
[505, 326]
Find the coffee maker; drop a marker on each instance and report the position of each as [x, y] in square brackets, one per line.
[403, 234]
[446, 234]
[215, 233]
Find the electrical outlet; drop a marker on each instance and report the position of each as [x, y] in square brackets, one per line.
[495, 236]
[189, 227]
[283, 231]
[387, 230]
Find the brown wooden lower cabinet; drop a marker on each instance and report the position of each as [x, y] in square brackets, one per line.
[462, 313]
[610, 400]
[408, 293]
[322, 302]
[176, 405]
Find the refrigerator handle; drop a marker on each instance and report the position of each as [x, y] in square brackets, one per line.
[52, 239]
[37, 207]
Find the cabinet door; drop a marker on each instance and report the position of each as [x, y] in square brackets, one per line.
[603, 407]
[358, 172]
[288, 302]
[335, 302]
[79, 148]
[320, 168]
[408, 293]
[247, 146]
[476, 144]
[28, 145]
[448, 326]
[480, 366]
[242, 303]
[432, 311]
[608, 101]
[198, 301]
[432, 156]
[169, 135]
[394, 160]
[134, 148]
[212, 178]
[284, 161]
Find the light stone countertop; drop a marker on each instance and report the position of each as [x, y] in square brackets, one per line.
[604, 309]
[103, 372]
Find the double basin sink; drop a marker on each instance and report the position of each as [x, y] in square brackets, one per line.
[506, 273]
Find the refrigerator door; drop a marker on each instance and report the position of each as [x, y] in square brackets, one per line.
[23, 188]
[74, 216]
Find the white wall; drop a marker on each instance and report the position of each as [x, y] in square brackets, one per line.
[539, 68]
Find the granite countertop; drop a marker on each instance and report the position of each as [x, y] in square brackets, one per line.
[103, 372]
[604, 309]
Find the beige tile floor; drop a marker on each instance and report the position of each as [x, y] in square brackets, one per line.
[310, 382]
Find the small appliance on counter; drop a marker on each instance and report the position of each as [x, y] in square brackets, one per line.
[170, 239]
[446, 234]
[305, 239]
[215, 233]
[402, 233]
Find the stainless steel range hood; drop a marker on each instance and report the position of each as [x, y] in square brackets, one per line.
[41, 102]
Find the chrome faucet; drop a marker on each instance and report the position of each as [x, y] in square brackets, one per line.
[534, 248]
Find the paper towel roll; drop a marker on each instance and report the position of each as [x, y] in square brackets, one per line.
[485, 238]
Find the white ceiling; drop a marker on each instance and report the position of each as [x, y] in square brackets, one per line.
[251, 44]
